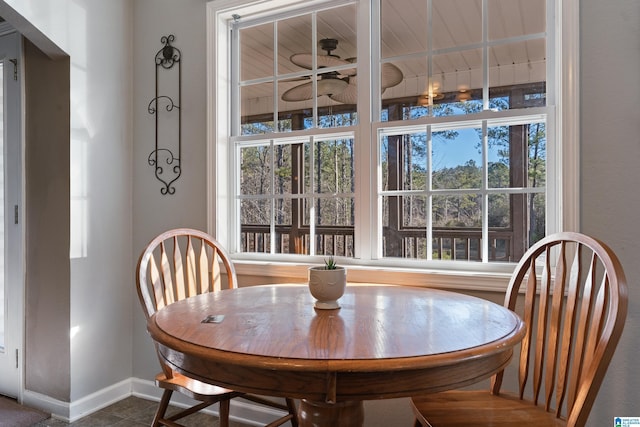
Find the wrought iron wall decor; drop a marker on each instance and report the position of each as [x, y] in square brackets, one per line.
[165, 106]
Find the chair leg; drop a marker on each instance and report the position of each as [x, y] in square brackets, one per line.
[224, 412]
[292, 410]
[162, 408]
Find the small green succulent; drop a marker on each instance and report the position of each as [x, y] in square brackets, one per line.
[330, 264]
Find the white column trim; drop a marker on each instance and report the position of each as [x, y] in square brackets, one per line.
[568, 113]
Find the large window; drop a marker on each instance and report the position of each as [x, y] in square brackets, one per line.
[405, 132]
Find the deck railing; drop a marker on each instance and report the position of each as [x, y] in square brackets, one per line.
[448, 243]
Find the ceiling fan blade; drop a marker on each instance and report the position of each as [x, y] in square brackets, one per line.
[301, 92]
[305, 60]
[390, 76]
[296, 79]
[326, 86]
[350, 72]
[348, 96]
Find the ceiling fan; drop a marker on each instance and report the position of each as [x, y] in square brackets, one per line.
[340, 85]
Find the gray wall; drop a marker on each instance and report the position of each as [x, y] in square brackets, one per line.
[47, 224]
[610, 160]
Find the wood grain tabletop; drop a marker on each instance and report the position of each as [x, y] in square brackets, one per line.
[385, 341]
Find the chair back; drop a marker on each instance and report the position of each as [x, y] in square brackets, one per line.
[571, 291]
[180, 263]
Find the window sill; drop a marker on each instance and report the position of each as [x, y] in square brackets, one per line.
[494, 281]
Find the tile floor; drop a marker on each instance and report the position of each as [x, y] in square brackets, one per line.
[132, 412]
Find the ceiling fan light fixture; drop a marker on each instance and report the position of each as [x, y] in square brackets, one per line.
[331, 86]
[423, 99]
[463, 95]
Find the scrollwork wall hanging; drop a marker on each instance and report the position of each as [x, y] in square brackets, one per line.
[165, 106]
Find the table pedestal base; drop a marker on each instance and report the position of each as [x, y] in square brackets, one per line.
[320, 414]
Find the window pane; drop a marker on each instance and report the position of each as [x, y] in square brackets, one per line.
[282, 212]
[466, 246]
[257, 109]
[255, 170]
[460, 77]
[414, 212]
[339, 23]
[500, 210]
[457, 211]
[404, 161]
[498, 174]
[432, 92]
[457, 159]
[508, 155]
[414, 83]
[537, 150]
[282, 169]
[537, 210]
[403, 29]
[294, 37]
[255, 217]
[295, 120]
[333, 171]
[256, 43]
[282, 221]
[457, 221]
[502, 240]
[334, 211]
[333, 220]
[517, 71]
[456, 23]
[404, 227]
[336, 117]
[513, 18]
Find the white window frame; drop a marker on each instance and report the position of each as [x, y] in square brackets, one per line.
[564, 193]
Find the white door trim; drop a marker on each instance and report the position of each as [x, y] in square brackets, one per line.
[11, 360]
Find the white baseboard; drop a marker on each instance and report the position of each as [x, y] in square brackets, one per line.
[242, 411]
[73, 411]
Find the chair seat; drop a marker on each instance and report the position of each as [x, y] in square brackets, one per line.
[193, 388]
[480, 409]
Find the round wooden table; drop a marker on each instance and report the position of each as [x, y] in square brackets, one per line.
[384, 342]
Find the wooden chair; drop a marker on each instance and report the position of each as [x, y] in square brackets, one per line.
[178, 264]
[573, 327]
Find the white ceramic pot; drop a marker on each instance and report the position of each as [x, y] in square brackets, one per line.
[327, 286]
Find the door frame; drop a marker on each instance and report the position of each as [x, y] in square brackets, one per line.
[13, 375]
